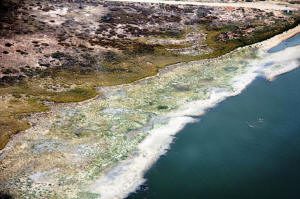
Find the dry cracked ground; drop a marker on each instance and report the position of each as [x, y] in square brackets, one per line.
[61, 51]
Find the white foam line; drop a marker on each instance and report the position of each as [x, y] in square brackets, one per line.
[271, 75]
[288, 57]
[128, 175]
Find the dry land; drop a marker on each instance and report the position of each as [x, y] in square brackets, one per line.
[57, 51]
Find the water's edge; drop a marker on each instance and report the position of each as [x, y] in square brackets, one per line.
[128, 175]
[246, 147]
[85, 140]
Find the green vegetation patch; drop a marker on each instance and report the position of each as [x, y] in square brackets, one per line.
[74, 95]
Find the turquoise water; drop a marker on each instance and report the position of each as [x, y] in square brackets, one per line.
[246, 147]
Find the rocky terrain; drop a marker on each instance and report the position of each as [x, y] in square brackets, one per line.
[59, 51]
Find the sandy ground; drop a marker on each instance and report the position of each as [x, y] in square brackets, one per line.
[257, 5]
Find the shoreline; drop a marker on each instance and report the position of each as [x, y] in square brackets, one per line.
[274, 41]
[131, 170]
[158, 141]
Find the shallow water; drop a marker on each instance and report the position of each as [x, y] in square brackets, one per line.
[246, 147]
